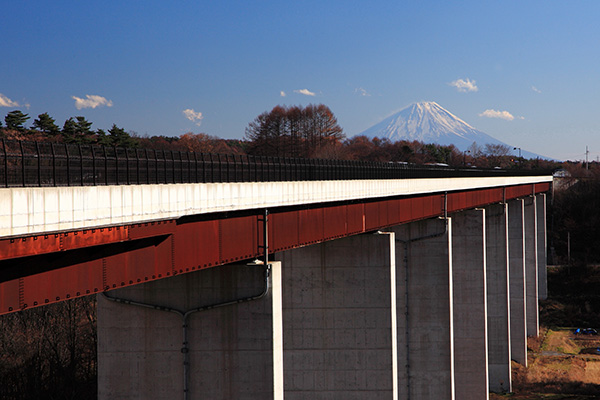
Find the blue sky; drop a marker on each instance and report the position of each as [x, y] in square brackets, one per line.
[526, 73]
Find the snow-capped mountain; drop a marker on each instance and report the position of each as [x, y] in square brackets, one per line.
[428, 122]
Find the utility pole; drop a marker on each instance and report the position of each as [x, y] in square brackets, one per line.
[515, 148]
[586, 157]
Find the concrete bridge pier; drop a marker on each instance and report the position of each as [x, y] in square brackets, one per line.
[498, 298]
[225, 352]
[531, 265]
[541, 246]
[470, 304]
[517, 279]
[339, 305]
[424, 309]
[325, 329]
[433, 309]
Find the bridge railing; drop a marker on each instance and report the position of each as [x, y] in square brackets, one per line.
[25, 163]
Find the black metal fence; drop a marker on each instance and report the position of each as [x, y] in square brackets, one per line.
[57, 164]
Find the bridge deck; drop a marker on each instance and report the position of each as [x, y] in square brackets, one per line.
[77, 220]
[46, 267]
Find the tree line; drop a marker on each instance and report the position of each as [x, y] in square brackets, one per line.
[574, 224]
[74, 130]
[49, 352]
[285, 131]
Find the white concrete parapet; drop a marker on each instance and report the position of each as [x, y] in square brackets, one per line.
[48, 209]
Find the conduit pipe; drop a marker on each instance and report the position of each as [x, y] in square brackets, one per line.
[185, 314]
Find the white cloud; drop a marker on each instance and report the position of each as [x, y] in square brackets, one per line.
[91, 101]
[193, 116]
[498, 114]
[305, 92]
[362, 92]
[282, 94]
[464, 85]
[6, 102]
[536, 89]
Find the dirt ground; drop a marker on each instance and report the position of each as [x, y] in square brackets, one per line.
[561, 365]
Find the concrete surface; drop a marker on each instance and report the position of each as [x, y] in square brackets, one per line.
[498, 295]
[470, 305]
[424, 310]
[518, 315]
[531, 266]
[338, 305]
[48, 209]
[542, 246]
[233, 350]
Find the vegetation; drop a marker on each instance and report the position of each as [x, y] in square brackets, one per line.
[285, 131]
[295, 132]
[575, 236]
[49, 352]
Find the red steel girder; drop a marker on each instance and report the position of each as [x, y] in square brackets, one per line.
[87, 261]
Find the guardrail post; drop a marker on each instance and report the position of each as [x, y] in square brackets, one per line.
[39, 169]
[5, 163]
[68, 165]
[137, 167]
[22, 163]
[105, 165]
[80, 164]
[93, 165]
[127, 165]
[147, 167]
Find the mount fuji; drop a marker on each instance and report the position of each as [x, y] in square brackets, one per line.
[428, 122]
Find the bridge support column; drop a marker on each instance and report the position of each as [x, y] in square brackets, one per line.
[424, 309]
[339, 319]
[498, 295]
[531, 266]
[516, 249]
[470, 304]
[541, 246]
[233, 351]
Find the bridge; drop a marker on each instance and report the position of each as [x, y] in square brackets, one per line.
[256, 277]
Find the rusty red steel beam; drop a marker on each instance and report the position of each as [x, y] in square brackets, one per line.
[43, 269]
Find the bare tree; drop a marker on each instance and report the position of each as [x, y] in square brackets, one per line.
[294, 131]
[49, 352]
[496, 150]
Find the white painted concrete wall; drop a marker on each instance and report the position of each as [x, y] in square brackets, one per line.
[38, 210]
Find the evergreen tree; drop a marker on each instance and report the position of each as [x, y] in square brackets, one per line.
[102, 138]
[46, 124]
[15, 120]
[78, 130]
[120, 138]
